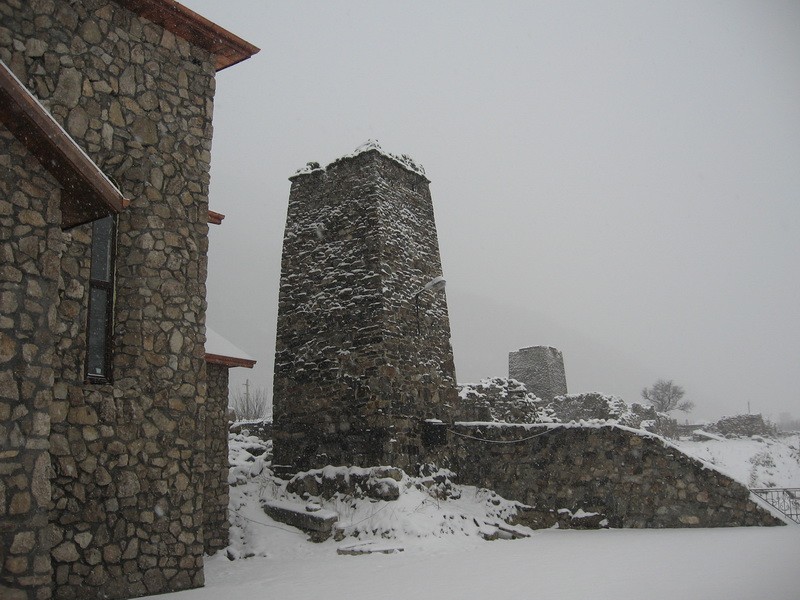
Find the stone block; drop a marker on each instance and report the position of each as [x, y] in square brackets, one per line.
[319, 525]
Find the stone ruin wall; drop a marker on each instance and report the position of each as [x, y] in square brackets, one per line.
[353, 374]
[633, 480]
[127, 458]
[541, 369]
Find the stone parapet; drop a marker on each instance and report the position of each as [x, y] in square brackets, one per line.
[631, 478]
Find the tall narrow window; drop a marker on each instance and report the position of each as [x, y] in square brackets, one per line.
[101, 301]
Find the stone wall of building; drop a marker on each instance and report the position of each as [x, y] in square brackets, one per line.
[30, 251]
[357, 366]
[216, 489]
[128, 455]
[630, 478]
[541, 369]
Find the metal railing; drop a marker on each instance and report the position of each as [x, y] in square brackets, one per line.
[786, 500]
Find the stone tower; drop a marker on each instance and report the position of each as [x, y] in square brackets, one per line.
[363, 356]
[541, 369]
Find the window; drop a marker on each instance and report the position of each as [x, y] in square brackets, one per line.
[100, 323]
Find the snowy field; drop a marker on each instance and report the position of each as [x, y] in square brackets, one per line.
[757, 462]
[439, 554]
[709, 564]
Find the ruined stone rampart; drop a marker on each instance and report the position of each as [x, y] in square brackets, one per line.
[500, 400]
[632, 479]
[741, 426]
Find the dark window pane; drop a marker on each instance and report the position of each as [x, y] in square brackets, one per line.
[96, 336]
[102, 238]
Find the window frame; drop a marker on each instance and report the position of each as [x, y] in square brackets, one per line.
[106, 284]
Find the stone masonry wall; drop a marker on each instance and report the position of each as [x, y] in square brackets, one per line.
[30, 249]
[632, 479]
[216, 489]
[355, 371]
[128, 455]
[541, 369]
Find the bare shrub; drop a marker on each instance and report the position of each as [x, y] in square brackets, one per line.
[251, 404]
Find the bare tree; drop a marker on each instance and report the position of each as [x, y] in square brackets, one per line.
[666, 396]
[250, 404]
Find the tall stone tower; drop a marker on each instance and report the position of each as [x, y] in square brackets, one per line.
[363, 356]
[541, 369]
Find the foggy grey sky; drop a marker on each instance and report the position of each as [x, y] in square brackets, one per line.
[620, 180]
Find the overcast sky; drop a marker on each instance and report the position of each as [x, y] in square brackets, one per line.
[620, 180]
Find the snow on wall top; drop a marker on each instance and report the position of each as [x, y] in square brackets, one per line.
[403, 160]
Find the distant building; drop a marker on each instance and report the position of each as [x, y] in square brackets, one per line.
[541, 369]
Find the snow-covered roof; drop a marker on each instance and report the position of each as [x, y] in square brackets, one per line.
[222, 352]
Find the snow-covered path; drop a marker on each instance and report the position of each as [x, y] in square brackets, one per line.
[712, 564]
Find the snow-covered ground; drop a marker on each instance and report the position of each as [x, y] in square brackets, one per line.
[757, 462]
[435, 533]
[709, 564]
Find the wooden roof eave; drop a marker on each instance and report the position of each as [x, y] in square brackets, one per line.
[215, 218]
[228, 49]
[229, 361]
[87, 194]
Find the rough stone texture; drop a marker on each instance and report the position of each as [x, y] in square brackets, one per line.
[500, 400]
[379, 483]
[216, 490]
[128, 456]
[541, 369]
[356, 370]
[632, 479]
[30, 249]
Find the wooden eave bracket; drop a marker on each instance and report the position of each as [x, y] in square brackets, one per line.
[215, 218]
[87, 194]
[227, 48]
[229, 361]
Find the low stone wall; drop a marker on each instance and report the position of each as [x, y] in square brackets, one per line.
[632, 478]
[741, 426]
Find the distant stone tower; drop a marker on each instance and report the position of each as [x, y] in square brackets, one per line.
[541, 369]
[363, 355]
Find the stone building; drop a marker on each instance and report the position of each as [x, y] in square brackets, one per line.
[541, 369]
[105, 144]
[363, 355]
